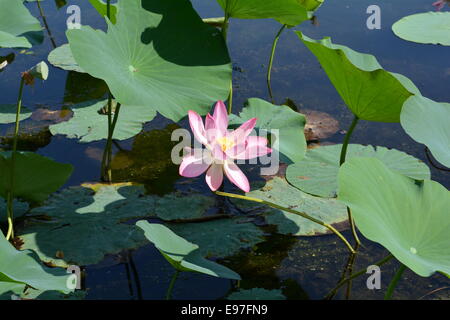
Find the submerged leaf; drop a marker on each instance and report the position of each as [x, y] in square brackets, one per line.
[428, 27]
[8, 113]
[181, 254]
[408, 218]
[317, 173]
[427, 122]
[159, 54]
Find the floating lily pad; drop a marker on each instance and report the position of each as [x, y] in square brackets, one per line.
[368, 90]
[427, 122]
[8, 113]
[83, 226]
[170, 60]
[257, 294]
[15, 23]
[428, 27]
[280, 192]
[182, 206]
[89, 123]
[220, 238]
[181, 254]
[62, 57]
[36, 177]
[291, 141]
[317, 173]
[102, 8]
[290, 12]
[409, 218]
[23, 267]
[18, 291]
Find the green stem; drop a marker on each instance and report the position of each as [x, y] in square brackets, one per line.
[171, 285]
[10, 197]
[347, 139]
[357, 274]
[302, 214]
[225, 25]
[44, 19]
[108, 9]
[341, 162]
[272, 55]
[394, 282]
[107, 154]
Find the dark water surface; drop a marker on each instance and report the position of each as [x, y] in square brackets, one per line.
[302, 267]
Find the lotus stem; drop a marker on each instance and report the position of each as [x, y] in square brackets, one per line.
[108, 9]
[107, 155]
[341, 162]
[355, 275]
[10, 196]
[172, 284]
[272, 55]
[394, 282]
[44, 19]
[225, 25]
[215, 22]
[302, 214]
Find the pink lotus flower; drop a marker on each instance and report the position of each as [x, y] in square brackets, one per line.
[440, 4]
[222, 148]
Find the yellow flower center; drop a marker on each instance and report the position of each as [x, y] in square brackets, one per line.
[225, 143]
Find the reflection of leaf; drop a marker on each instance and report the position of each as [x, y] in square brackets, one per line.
[292, 142]
[427, 122]
[15, 21]
[257, 294]
[35, 176]
[170, 60]
[160, 173]
[88, 124]
[82, 87]
[220, 238]
[317, 173]
[367, 89]
[408, 218]
[280, 192]
[23, 267]
[429, 27]
[181, 254]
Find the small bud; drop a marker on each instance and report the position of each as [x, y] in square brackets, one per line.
[39, 71]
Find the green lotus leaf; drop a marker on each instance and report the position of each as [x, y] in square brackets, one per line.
[409, 218]
[290, 12]
[15, 23]
[257, 294]
[280, 192]
[370, 92]
[181, 254]
[428, 27]
[317, 173]
[62, 57]
[36, 177]
[102, 8]
[83, 225]
[89, 122]
[159, 54]
[177, 206]
[220, 238]
[13, 291]
[23, 267]
[426, 121]
[291, 125]
[8, 113]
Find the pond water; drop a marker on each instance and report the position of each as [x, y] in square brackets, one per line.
[303, 268]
